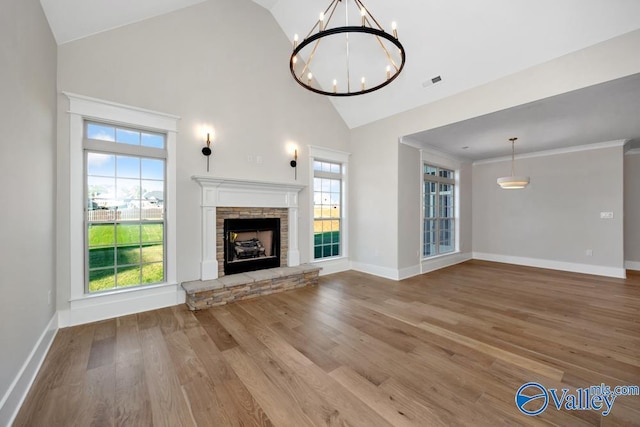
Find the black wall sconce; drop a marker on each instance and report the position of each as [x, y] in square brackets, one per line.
[294, 164]
[207, 151]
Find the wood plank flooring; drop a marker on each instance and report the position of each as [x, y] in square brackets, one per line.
[448, 348]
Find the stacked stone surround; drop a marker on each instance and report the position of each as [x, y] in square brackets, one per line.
[236, 287]
[223, 213]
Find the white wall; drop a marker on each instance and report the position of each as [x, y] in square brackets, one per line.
[375, 163]
[632, 208]
[557, 217]
[27, 171]
[221, 62]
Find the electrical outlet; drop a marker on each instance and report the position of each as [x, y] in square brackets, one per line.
[606, 215]
[258, 160]
[588, 252]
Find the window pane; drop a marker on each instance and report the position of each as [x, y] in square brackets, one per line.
[101, 132]
[101, 257]
[152, 233]
[152, 140]
[101, 235]
[128, 167]
[152, 169]
[101, 164]
[335, 168]
[326, 167]
[153, 273]
[335, 250]
[127, 189]
[326, 185]
[128, 234]
[128, 276]
[126, 255]
[317, 166]
[444, 173]
[335, 186]
[430, 170]
[152, 253]
[335, 211]
[100, 280]
[125, 136]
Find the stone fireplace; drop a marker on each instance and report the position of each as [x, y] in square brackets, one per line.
[230, 199]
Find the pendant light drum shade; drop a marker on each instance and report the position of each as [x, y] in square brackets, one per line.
[513, 182]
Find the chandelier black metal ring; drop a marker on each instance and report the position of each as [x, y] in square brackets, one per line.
[390, 48]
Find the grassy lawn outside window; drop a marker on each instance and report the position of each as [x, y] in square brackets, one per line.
[124, 190]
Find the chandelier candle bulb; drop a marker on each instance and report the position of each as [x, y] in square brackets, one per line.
[388, 72]
[335, 86]
[394, 27]
[295, 41]
[321, 21]
[363, 13]
[309, 77]
[362, 83]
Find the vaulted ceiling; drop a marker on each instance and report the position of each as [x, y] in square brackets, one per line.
[466, 42]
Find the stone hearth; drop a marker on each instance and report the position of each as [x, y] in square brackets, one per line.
[236, 287]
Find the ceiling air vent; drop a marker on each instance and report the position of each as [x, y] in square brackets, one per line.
[436, 79]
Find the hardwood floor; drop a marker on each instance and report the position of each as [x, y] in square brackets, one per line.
[447, 348]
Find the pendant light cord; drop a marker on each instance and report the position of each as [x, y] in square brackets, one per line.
[513, 158]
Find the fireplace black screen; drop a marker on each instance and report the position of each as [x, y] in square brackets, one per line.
[251, 244]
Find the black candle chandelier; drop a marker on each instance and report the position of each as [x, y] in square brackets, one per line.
[356, 58]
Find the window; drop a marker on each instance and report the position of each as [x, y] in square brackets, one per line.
[327, 209]
[439, 211]
[125, 172]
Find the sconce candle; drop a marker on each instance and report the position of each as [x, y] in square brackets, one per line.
[207, 151]
[294, 163]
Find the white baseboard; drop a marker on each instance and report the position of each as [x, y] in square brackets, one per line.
[14, 397]
[333, 266]
[425, 266]
[405, 273]
[376, 270]
[597, 270]
[443, 261]
[100, 307]
[632, 265]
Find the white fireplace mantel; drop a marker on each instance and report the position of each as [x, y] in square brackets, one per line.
[226, 192]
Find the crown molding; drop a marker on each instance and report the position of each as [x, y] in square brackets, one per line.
[556, 151]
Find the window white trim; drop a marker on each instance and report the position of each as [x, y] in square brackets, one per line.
[84, 307]
[342, 157]
[433, 159]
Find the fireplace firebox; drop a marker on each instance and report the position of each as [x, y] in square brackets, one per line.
[251, 244]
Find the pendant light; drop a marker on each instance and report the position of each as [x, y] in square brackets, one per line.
[513, 182]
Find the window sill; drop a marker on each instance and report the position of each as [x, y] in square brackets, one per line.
[124, 291]
[434, 257]
[327, 259]
[122, 302]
